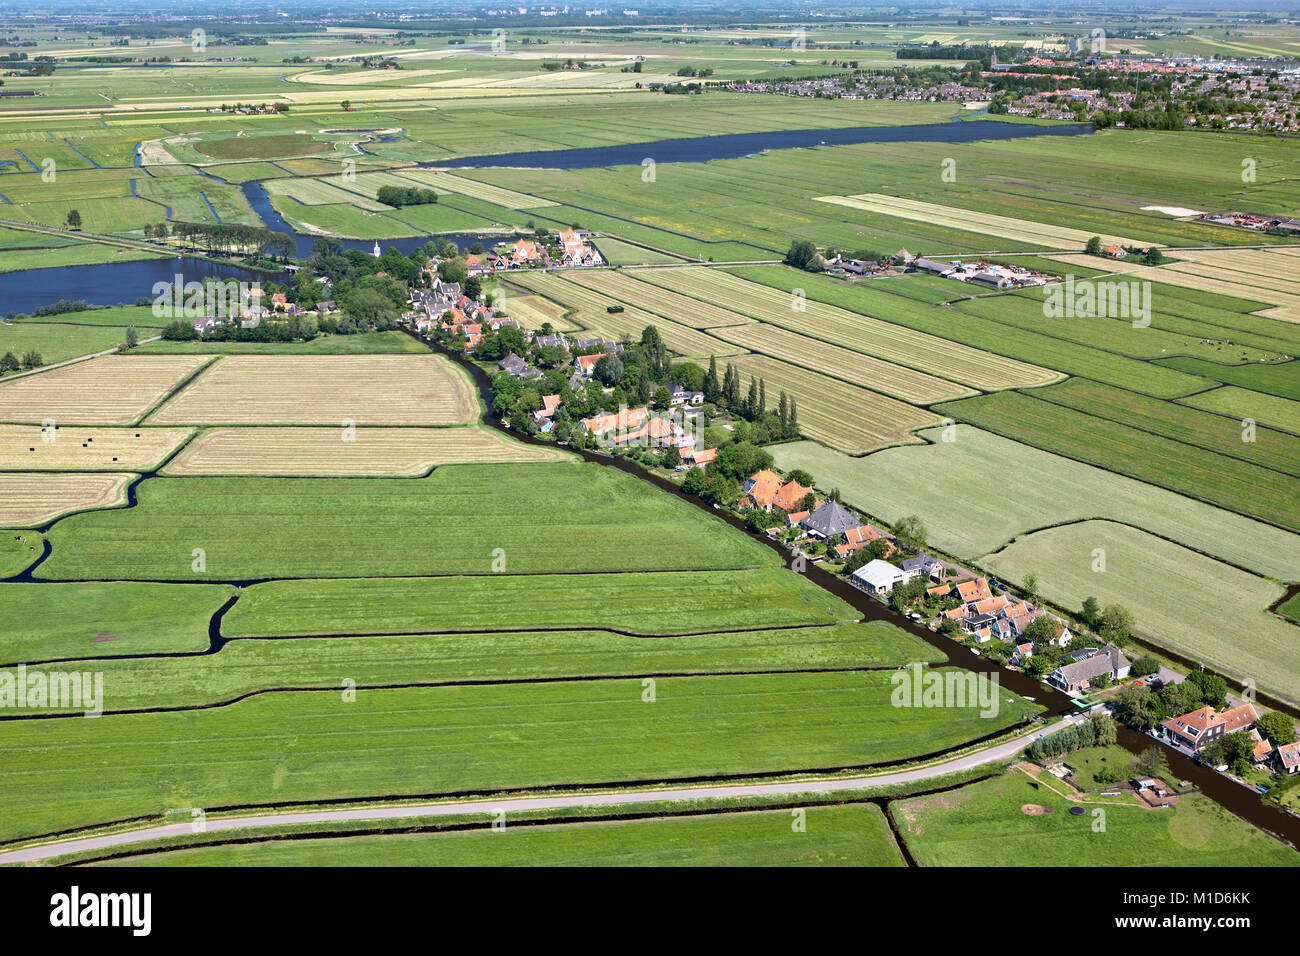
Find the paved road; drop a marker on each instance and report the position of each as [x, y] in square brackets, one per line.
[995, 754]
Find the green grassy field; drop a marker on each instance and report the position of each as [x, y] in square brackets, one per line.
[444, 524]
[18, 549]
[55, 343]
[1008, 489]
[363, 343]
[248, 666]
[983, 825]
[1291, 609]
[1282, 380]
[644, 603]
[1089, 762]
[1201, 608]
[851, 835]
[313, 746]
[1271, 449]
[1242, 404]
[108, 619]
[1231, 483]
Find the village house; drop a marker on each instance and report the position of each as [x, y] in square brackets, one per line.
[577, 251]
[1288, 758]
[586, 364]
[698, 457]
[681, 395]
[767, 490]
[526, 251]
[1203, 726]
[855, 539]
[615, 423]
[514, 365]
[1077, 677]
[878, 577]
[924, 564]
[829, 521]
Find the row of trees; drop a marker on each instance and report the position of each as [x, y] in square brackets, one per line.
[1100, 731]
[11, 363]
[776, 424]
[231, 238]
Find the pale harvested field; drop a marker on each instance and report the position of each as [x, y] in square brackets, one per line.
[324, 390]
[447, 182]
[861, 333]
[842, 416]
[532, 311]
[1274, 266]
[76, 448]
[1182, 600]
[954, 217]
[318, 192]
[29, 500]
[312, 452]
[113, 390]
[654, 298]
[337, 78]
[1287, 308]
[592, 315]
[911, 386]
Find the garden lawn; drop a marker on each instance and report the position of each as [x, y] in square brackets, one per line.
[983, 825]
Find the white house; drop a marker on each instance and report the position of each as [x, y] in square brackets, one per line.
[878, 577]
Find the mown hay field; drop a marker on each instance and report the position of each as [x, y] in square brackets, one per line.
[1262, 268]
[75, 448]
[324, 389]
[113, 390]
[954, 217]
[316, 192]
[1009, 489]
[448, 182]
[593, 315]
[843, 416]
[861, 333]
[1191, 604]
[29, 500]
[534, 311]
[853, 367]
[328, 452]
[653, 298]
